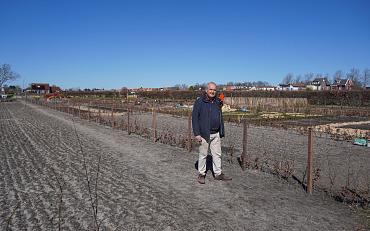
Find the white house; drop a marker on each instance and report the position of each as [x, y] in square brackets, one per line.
[319, 84]
[291, 87]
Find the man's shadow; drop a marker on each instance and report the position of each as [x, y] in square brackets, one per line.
[209, 164]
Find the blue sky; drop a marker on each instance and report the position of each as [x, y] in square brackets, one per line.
[155, 43]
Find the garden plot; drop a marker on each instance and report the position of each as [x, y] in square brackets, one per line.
[134, 184]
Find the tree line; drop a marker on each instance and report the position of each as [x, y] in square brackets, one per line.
[360, 79]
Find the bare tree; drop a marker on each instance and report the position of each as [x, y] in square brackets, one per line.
[184, 86]
[6, 74]
[365, 78]
[298, 79]
[308, 78]
[198, 86]
[124, 92]
[338, 75]
[319, 76]
[354, 75]
[288, 78]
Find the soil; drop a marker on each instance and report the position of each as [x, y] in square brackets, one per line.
[322, 120]
[364, 126]
[47, 155]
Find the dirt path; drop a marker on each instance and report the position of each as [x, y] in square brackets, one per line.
[141, 185]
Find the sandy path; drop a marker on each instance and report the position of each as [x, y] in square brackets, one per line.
[142, 185]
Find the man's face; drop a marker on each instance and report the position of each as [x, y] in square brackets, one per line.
[211, 90]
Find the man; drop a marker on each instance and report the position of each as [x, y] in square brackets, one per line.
[208, 129]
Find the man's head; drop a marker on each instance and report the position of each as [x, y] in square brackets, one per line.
[211, 89]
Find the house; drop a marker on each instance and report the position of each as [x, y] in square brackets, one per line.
[319, 84]
[55, 89]
[241, 88]
[12, 90]
[262, 88]
[298, 86]
[291, 87]
[40, 88]
[342, 84]
[229, 88]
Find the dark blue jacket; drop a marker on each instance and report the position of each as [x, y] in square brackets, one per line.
[201, 117]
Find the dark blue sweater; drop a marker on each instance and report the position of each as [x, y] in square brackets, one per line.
[207, 116]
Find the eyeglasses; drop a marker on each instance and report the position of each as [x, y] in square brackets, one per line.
[212, 90]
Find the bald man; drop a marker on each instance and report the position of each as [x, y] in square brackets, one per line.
[208, 129]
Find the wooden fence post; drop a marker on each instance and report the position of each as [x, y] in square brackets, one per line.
[189, 133]
[244, 157]
[88, 109]
[128, 120]
[99, 116]
[112, 116]
[68, 107]
[121, 118]
[154, 125]
[310, 162]
[72, 109]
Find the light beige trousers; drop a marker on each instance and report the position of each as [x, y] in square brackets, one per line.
[215, 148]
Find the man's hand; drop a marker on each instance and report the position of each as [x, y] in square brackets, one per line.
[198, 138]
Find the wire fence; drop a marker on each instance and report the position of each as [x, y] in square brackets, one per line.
[313, 159]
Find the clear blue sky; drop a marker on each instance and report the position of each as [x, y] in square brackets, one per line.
[154, 43]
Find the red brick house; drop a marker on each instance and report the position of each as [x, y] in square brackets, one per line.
[342, 84]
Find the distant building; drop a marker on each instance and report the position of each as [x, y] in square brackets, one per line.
[262, 88]
[241, 88]
[229, 88]
[285, 87]
[40, 88]
[44, 88]
[319, 84]
[299, 86]
[291, 87]
[131, 94]
[11, 90]
[55, 89]
[342, 84]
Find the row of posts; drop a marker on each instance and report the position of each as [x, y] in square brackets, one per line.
[69, 110]
[244, 156]
[245, 159]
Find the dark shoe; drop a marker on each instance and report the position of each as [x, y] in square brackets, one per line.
[223, 177]
[201, 179]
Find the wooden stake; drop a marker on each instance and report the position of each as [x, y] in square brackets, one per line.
[310, 162]
[189, 133]
[245, 141]
[88, 108]
[128, 120]
[154, 125]
[112, 115]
